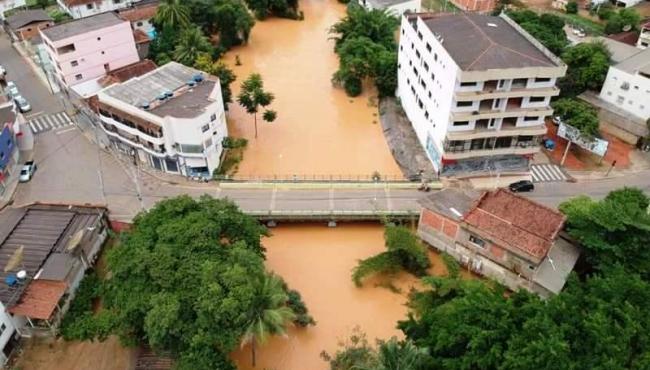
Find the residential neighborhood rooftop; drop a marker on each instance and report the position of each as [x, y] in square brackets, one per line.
[619, 50]
[451, 202]
[481, 42]
[381, 4]
[173, 77]
[25, 17]
[637, 63]
[128, 72]
[82, 25]
[519, 222]
[139, 11]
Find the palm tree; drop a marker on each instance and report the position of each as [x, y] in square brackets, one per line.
[191, 44]
[396, 355]
[173, 13]
[269, 314]
[252, 96]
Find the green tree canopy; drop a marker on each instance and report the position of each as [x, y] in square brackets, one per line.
[621, 20]
[613, 231]
[253, 97]
[205, 63]
[190, 45]
[377, 25]
[172, 13]
[547, 28]
[587, 64]
[578, 114]
[280, 8]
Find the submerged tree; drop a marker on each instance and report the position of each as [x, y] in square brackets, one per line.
[226, 76]
[252, 97]
[190, 45]
[404, 251]
[269, 314]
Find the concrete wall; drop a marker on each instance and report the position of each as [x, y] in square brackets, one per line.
[99, 6]
[9, 322]
[629, 92]
[113, 46]
[29, 31]
[481, 6]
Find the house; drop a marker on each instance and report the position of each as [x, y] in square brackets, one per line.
[8, 148]
[617, 3]
[501, 235]
[6, 5]
[141, 17]
[25, 24]
[171, 119]
[44, 252]
[644, 36]
[87, 8]
[394, 7]
[476, 89]
[86, 49]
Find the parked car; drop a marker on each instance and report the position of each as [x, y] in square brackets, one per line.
[12, 89]
[557, 120]
[22, 104]
[523, 185]
[27, 171]
[3, 73]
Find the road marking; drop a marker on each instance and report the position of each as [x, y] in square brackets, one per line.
[547, 173]
[37, 122]
[31, 124]
[63, 131]
[58, 122]
[331, 198]
[29, 116]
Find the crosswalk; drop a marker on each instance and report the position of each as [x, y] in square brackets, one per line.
[547, 173]
[47, 122]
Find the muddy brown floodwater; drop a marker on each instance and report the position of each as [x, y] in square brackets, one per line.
[317, 261]
[319, 130]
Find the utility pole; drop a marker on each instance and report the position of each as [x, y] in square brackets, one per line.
[610, 169]
[566, 151]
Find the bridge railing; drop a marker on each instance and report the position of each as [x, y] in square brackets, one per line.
[307, 215]
[339, 178]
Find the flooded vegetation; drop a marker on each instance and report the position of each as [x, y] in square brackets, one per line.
[319, 130]
[318, 261]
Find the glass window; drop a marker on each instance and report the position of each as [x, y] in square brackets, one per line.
[213, 117]
[477, 241]
[205, 127]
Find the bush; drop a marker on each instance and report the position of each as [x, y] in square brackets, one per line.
[572, 7]
[352, 86]
[298, 307]
[234, 142]
[81, 322]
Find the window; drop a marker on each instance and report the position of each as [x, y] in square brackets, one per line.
[435, 57]
[412, 46]
[401, 47]
[461, 123]
[74, 63]
[171, 164]
[205, 127]
[423, 84]
[65, 49]
[536, 99]
[139, 24]
[529, 118]
[620, 99]
[428, 47]
[103, 52]
[464, 104]
[213, 117]
[420, 35]
[78, 77]
[415, 71]
[426, 66]
[433, 77]
[89, 6]
[426, 114]
[3, 327]
[29, 29]
[420, 104]
[417, 53]
[477, 241]
[542, 79]
[468, 84]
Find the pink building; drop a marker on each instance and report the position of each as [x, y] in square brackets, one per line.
[86, 49]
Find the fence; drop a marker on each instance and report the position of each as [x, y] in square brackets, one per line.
[332, 215]
[340, 178]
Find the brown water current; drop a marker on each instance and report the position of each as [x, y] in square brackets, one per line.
[317, 261]
[319, 130]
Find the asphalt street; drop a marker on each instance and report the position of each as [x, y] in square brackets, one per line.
[29, 85]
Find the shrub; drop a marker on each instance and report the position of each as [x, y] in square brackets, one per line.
[298, 307]
[352, 86]
[572, 7]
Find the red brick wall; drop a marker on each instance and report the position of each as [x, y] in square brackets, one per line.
[475, 5]
[439, 223]
[450, 229]
[31, 30]
[119, 226]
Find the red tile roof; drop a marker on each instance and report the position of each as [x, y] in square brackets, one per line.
[628, 38]
[128, 72]
[139, 12]
[39, 299]
[518, 222]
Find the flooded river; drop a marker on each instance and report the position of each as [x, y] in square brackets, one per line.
[319, 131]
[317, 261]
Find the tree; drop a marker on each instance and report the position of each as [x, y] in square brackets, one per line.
[162, 47]
[252, 97]
[172, 13]
[269, 314]
[43, 3]
[377, 25]
[587, 64]
[226, 76]
[403, 251]
[547, 28]
[613, 231]
[579, 115]
[281, 8]
[191, 44]
[572, 7]
[624, 20]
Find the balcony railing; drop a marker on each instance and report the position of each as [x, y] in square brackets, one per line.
[134, 141]
[152, 136]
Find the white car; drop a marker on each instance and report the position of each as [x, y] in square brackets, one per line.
[22, 104]
[12, 89]
[27, 171]
[3, 72]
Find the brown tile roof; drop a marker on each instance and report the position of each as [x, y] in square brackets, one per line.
[40, 298]
[519, 222]
[628, 38]
[481, 42]
[128, 72]
[25, 17]
[139, 12]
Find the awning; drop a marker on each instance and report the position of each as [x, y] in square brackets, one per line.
[39, 299]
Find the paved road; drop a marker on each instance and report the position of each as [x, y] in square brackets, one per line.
[30, 86]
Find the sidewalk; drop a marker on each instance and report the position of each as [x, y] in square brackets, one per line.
[35, 68]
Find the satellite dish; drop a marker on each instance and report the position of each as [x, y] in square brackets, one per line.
[16, 259]
[75, 240]
[627, 27]
[21, 275]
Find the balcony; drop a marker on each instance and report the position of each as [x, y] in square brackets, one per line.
[480, 147]
[134, 140]
[512, 93]
[483, 131]
[510, 112]
[155, 137]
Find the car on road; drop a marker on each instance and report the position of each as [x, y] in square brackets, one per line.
[27, 171]
[11, 89]
[3, 73]
[520, 186]
[22, 104]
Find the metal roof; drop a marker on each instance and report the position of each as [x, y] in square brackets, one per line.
[82, 25]
[25, 17]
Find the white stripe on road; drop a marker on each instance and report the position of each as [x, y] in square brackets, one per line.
[63, 131]
[37, 122]
[31, 124]
[56, 120]
[67, 118]
[558, 172]
[53, 124]
[540, 173]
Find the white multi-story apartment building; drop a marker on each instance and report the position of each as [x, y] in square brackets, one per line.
[171, 119]
[644, 36]
[474, 86]
[627, 85]
[86, 49]
[87, 8]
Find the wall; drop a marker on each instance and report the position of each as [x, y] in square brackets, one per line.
[10, 4]
[112, 45]
[7, 320]
[31, 30]
[100, 6]
[635, 100]
[475, 5]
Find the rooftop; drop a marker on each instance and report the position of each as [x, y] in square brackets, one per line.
[637, 63]
[25, 17]
[619, 50]
[481, 42]
[7, 113]
[40, 299]
[128, 72]
[186, 102]
[70, 3]
[450, 202]
[82, 25]
[41, 230]
[518, 222]
[139, 11]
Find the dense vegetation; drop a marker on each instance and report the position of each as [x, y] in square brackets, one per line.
[587, 66]
[547, 28]
[403, 252]
[190, 279]
[578, 114]
[279, 8]
[366, 46]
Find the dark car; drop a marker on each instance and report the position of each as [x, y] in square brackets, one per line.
[523, 185]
